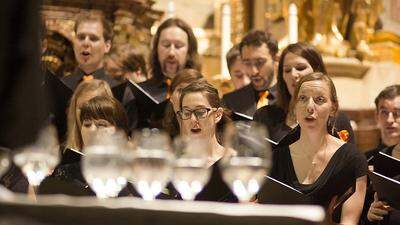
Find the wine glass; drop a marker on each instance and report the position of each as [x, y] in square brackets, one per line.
[245, 170]
[4, 161]
[191, 172]
[38, 160]
[105, 166]
[151, 163]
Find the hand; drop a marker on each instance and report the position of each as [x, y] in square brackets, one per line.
[377, 210]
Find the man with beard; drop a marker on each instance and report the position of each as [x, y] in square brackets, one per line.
[258, 52]
[92, 42]
[174, 48]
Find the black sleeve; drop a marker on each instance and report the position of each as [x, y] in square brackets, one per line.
[360, 163]
[343, 123]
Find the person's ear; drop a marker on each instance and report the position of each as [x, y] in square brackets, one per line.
[107, 46]
[218, 114]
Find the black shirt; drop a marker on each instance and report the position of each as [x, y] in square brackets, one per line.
[274, 118]
[345, 166]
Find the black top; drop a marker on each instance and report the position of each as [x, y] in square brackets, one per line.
[274, 118]
[370, 154]
[216, 189]
[244, 100]
[346, 165]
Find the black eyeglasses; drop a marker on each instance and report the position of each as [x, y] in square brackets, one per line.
[199, 113]
[258, 63]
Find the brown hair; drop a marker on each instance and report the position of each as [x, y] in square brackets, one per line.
[305, 51]
[389, 92]
[317, 76]
[193, 56]
[74, 139]
[257, 38]
[232, 55]
[134, 62]
[189, 76]
[213, 98]
[95, 17]
[106, 108]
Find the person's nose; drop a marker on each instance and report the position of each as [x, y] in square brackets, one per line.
[390, 118]
[92, 127]
[310, 105]
[253, 70]
[172, 50]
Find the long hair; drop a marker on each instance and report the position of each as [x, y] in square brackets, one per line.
[106, 108]
[305, 51]
[95, 87]
[212, 95]
[193, 56]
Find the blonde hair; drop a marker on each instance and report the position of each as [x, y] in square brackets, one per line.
[74, 138]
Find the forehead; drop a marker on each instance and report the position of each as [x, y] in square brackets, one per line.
[91, 26]
[390, 103]
[173, 34]
[315, 86]
[253, 51]
[291, 58]
[195, 99]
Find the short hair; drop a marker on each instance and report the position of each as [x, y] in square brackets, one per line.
[317, 76]
[134, 62]
[309, 53]
[186, 76]
[95, 17]
[74, 139]
[212, 95]
[258, 38]
[106, 108]
[232, 55]
[193, 56]
[389, 92]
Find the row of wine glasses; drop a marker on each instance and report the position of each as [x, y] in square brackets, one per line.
[149, 162]
[154, 162]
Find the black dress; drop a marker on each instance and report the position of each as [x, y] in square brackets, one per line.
[346, 165]
[274, 118]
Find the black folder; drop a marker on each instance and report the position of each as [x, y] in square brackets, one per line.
[151, 103]
[388, 189]
[386, 165]
[237, 116]
[276, 192]
[71, 156]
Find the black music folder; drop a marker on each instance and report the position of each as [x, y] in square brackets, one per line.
[386, 165]
[71, 156]
[237, 116]
[388, 189]
[276, 192]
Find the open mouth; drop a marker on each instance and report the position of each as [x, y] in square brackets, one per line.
[195, 130]
[310, 119]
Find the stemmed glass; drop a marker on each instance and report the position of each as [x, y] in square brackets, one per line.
[190, 167]
[38, 160]
[105, 166]
[151, 163]
[4, 161]
[245, 170]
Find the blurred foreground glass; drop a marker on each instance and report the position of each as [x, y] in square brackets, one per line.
[245, 170]
[4, 161]
[151, 162]
[190, 167]
[37, 161]
[105, 165]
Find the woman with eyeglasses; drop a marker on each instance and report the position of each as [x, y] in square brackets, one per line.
[202, 116]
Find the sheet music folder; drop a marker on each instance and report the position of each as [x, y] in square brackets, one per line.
[147, 95]
[276, 192]
[388, 189]
[386, 165]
